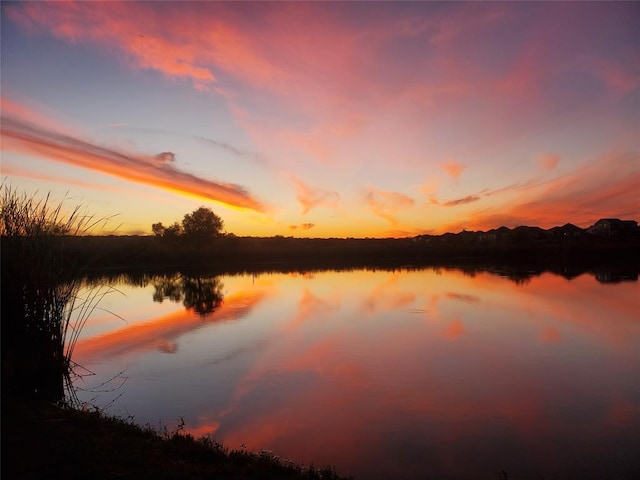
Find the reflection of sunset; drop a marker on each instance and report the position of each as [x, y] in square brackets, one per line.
[550, 335]
[443, 363]
[159, 333]
[454, 329]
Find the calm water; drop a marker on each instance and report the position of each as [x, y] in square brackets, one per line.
[384, 374]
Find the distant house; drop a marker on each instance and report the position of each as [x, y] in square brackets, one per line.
[568, 230]
[613, 227]
[527, 233]
[497, 234]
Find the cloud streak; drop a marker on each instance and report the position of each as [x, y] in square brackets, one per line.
[303, 226]
[461, 201]
[28, 138]
[233, 150]
[311, 197]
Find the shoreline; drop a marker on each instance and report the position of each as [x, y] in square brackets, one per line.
[44, 440]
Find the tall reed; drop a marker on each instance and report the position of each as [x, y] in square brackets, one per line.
[40, 281]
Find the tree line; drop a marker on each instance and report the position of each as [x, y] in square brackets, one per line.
[199, 226]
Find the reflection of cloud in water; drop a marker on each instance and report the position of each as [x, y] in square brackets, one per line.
[463, 297]
[168, 347]
[160, 332]
[310, 305]
[467, 382]
[387, 296]
[454, 330]
[237, 352]
[550, 334]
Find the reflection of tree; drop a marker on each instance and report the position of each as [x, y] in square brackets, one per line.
[168, 287]
[203, 295]
[520, 278]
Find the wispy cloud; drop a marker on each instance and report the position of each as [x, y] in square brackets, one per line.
[302, 226]
[453, 168]
[549, 161]
[12, 170]
[25, 137]
[461, 201]
[387, 204]
[238, 152]
[165, 158]
[311, 197]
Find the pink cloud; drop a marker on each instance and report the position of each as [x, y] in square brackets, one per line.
[549, 161]
[332, 81]
[430, 190]
[12, 170]
[387, 204]
[453, 168]
[312, 197]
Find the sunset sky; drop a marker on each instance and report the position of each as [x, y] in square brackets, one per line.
[357, 119]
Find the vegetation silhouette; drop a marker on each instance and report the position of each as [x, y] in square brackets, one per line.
[196, 229]
[199, 240]
[42, 314]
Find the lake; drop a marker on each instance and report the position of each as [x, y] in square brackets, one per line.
[406, 373]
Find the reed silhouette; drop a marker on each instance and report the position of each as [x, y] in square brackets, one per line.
[42, 314]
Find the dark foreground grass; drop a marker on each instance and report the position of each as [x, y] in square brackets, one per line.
[42, 440]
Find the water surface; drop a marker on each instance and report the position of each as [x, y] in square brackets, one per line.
[412, 373]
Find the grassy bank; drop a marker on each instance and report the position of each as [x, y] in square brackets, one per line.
[42, 440]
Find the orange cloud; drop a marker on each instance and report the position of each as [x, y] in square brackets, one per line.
[29, 138]
[606, 188]
[387, 204]
[303, 226]
[453, 168]
[549, 161]
[311, 197]
[461, 201]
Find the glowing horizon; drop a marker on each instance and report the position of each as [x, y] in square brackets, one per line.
[326, 119]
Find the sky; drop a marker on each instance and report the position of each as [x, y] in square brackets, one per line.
[325, 119]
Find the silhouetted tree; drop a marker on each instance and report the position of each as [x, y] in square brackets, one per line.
[158, 229]
[202, 225]
[172, 231]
